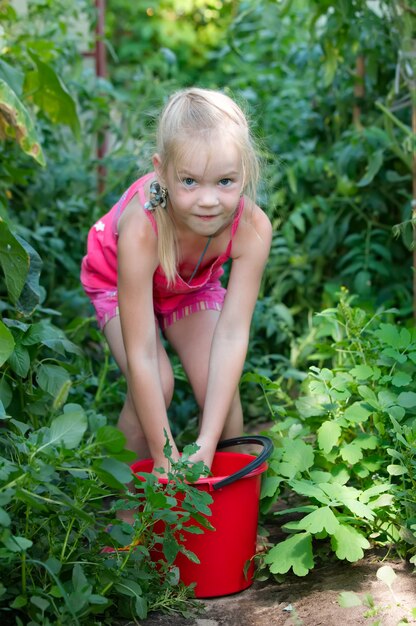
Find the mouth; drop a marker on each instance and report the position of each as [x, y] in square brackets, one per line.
[207, 218]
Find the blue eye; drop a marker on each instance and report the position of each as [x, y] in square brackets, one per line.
[188, 181]
[225, 182]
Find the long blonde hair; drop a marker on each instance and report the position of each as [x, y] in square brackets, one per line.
[187, 114]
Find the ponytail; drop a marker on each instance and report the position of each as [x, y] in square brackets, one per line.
[166, 243]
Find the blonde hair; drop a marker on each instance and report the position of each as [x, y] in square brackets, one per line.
[190, 113]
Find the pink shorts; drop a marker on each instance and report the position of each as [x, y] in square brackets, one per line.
[209, 299]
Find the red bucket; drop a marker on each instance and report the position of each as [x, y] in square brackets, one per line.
[224, 553]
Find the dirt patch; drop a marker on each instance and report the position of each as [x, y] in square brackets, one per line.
[312, 601]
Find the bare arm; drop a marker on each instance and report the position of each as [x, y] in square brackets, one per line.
[137, 261]
[229, 347]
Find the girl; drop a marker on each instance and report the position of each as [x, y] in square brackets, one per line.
[154, 263]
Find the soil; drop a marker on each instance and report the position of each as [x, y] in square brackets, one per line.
[313, 600]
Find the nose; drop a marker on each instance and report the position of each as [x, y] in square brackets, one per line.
[208, 197]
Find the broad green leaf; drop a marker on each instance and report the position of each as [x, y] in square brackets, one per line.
[16, 544]
[6, 343]
[349, 497]
[348, 543]
[19, 360]
[366, 442]
[392, 336]
[357, 413]
[351, 452]
[310, 490]
[373, 167]
[387, 575]
[53, 379]
[120, 471]
[362, 372]
[298, 456]
[14, 261]
[368, 395]
[111, 438]
[311, 406]
[270, 485]
[348, 599]
[30, 295]
[294, 552]
[12, 76]
[328, 435]
[396, 470]
[69, 428]
[407, 399]
[16, 123]
[4, 518]
[401, 379]
[319, 520]
[51, 95]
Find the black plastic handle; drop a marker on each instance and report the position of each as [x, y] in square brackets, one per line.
[267, 444]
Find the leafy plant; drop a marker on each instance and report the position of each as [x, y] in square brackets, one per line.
[347, 447]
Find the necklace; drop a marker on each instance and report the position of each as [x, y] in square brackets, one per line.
[199, 260]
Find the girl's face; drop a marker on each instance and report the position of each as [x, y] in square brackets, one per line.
[205, 187]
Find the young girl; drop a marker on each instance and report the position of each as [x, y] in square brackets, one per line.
[154, 263]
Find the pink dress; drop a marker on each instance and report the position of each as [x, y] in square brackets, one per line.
[171, 303]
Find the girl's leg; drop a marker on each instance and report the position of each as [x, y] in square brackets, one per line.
[191, 337]
[129, 422]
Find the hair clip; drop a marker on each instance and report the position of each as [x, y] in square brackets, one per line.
[158, 196]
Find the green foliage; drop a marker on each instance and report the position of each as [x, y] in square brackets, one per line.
[53, 525]
[347, 446]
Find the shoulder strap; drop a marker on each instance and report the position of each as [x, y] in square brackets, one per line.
[136, 187]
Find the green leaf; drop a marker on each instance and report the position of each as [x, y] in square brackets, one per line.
[392, 336]
[12, 76]
[40, 602]
[30, 295]
[348, 599]
[69, 428]
[14, 261]
[351, 453]
[270, 486]
[396, 470]
[297, 456]
[407, 399]
[120, 471]
[387, 575]
[294, 552]
[16, 544]
[362, 372]
[6, 343]
[321, 519]
[357, 413]
[4, 518]
[19, 360]
[328, 435]
[348, 543]
[52, 378]
[373, 167]
[51, 95]
[401, 379]
[349, 497]
[310, 490]
[111, 438]
[16, 123]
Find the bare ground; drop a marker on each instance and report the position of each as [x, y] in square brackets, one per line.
[313, 600]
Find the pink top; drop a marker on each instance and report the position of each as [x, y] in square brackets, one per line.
[99, 266]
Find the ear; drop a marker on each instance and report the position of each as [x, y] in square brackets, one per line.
[157, 164]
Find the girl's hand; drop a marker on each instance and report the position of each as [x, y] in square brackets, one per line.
[161, 462]
[205, 453]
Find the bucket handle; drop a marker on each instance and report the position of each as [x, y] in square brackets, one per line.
[267, 444]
